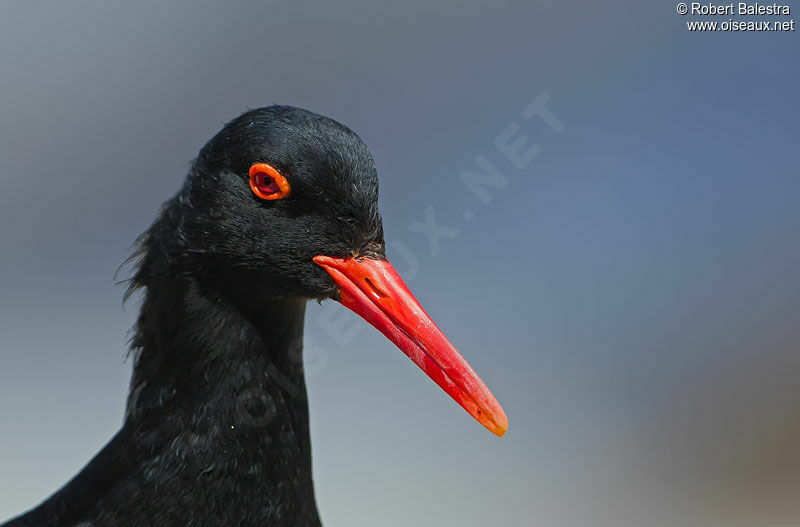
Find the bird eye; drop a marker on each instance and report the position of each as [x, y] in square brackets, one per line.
[267, 183]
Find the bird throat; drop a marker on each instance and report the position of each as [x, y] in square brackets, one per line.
[218, 396]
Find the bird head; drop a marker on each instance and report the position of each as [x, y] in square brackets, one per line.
[283, 203]
[274, 188]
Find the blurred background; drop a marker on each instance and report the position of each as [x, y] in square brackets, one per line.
[630, 294]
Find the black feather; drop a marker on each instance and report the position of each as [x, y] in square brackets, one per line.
[216, 430]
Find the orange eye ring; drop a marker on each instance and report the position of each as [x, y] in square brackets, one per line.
[267, 183]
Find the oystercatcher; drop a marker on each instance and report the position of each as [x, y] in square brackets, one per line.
[279, 208]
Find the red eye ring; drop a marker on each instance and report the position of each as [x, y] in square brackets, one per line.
[267, 183]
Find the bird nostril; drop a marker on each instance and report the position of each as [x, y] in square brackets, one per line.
[375, 289]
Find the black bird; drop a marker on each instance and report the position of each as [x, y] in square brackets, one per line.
[279, 208]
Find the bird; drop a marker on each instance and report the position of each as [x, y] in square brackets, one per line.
[279, 208]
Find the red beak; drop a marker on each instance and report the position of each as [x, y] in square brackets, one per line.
[374, 290]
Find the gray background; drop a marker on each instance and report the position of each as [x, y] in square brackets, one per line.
[630, 296]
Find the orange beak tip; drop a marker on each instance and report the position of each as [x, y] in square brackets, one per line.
[498, 424]
[501, 430]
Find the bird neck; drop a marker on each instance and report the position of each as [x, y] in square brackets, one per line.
[222, 389]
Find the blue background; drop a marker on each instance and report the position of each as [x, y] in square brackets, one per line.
[630, 296]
